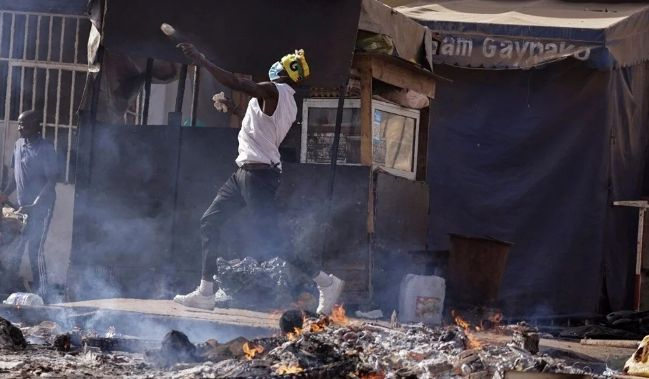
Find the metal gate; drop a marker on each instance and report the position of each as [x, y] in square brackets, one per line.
[43, 63]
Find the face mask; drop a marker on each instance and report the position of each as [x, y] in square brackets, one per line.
[275, 69]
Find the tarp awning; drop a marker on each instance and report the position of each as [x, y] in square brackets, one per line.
[524, 34]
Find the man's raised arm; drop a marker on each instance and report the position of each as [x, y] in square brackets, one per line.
[258, 90]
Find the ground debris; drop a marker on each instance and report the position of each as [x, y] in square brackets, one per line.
[176, 348]
[10, 336]
[526, 337]
[321, 348]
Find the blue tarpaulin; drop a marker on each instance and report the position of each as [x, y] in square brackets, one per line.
[533, 147]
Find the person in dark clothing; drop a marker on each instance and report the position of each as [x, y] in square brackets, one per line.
[35, 174]
[270, 114]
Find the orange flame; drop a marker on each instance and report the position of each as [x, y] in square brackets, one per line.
[251, 350]
[459, 321]
[316, 327]
[292, 336]
[473, 342]
[338, 315]
[291, 368]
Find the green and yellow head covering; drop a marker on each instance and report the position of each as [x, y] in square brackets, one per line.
[295, 66]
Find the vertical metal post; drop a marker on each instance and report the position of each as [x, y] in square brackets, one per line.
[333, 164]
[195, 90]
[70, 128]
[176, 117]
[336, 141]
[638, 261]
[180, 94]
[2, 24]
[57, 111]
[47, 74]
[147, 90]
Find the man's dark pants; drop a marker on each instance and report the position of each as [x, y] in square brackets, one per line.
[32, 240]
[255, 189]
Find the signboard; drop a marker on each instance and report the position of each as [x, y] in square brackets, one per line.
[493, 51]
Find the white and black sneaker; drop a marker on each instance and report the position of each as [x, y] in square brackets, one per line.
[196, 299]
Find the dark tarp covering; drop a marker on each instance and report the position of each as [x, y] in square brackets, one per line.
[536, 157]
[244, 36]
[524, 34]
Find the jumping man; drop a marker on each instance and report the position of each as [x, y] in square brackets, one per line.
[268, 118]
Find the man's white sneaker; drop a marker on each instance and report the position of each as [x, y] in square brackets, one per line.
[329, 295]
[196, 299]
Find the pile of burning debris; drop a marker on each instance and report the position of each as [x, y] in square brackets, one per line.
[311, 347]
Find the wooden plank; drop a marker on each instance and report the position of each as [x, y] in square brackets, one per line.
[632, 203]
[403, 76]
[366, 113]
[630, 344]
[365, 69]
[422, 145]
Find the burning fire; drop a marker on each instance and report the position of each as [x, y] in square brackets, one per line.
[294, 335]
[291, 368]
[338, 315]
[316, 326]
[473, 342]
[251, 350]
[459, 321]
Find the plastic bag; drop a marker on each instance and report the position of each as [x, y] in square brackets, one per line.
[24, 298]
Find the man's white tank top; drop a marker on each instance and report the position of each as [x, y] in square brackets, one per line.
[261, 134]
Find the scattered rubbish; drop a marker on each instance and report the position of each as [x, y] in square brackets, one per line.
[176, 348]
[62, 342]
[526, 337]
[394, 320]
[290, 320]
[316, 347]
[43, 333]
[373, 315]
[261, 286]
[24, 298]
[10, 336]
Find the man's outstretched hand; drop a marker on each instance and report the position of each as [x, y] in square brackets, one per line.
[192, 53]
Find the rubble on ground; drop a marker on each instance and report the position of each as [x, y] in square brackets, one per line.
[10, 336]
[325, 347]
